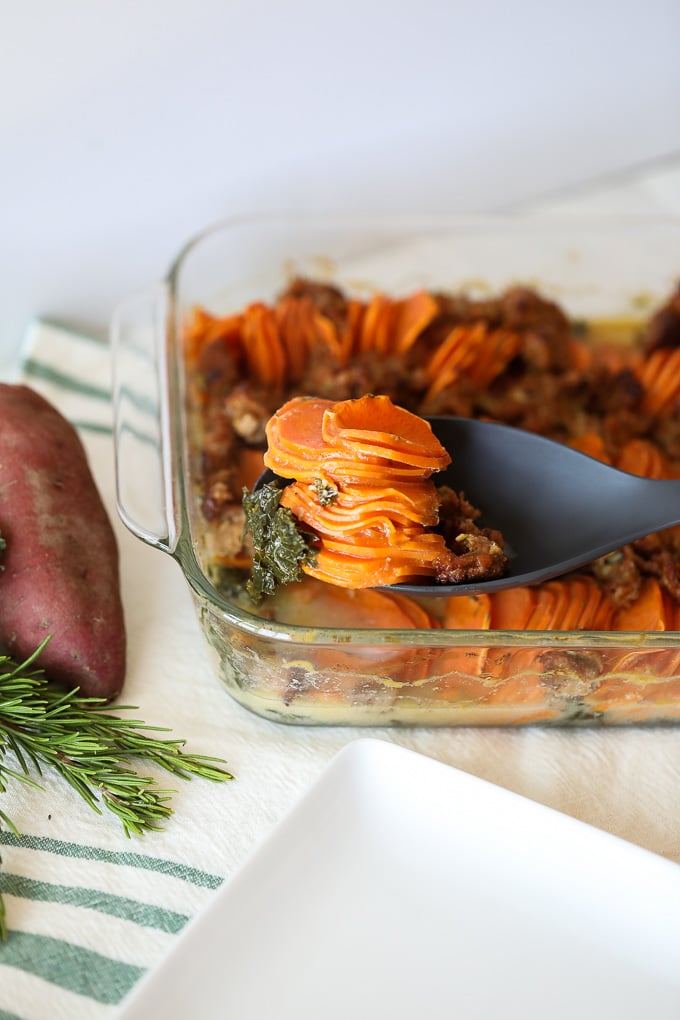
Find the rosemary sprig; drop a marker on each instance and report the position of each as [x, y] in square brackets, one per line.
[90, 747]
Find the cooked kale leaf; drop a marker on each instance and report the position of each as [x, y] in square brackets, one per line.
[279, 547]
[326, 493]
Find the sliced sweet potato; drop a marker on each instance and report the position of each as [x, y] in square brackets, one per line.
[303, 500]
[336, 607]
[414, 314]
[576, 591]
[375, 426]
[350, 337]
[418, 615]
[364, 472]
[368, 448]
[60, 568]
[526, 699]
[639, 456]
[499, 348]
[588, 597]
[512, 608]
[660, 376]
[204, 328]
[453, 356]
[469, 612]
[295, 324]
[602, 614]
[545, 608]
[648, 612]
[376, 325]
[352, 572]
[297, 426]
[415, 502]
[262, 345]
[414, 545]
[295, 446]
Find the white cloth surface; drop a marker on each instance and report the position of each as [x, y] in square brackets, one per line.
[626, 781]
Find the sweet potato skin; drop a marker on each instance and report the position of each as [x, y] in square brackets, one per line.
[60, 575]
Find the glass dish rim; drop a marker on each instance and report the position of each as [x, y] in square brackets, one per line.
[426, 221]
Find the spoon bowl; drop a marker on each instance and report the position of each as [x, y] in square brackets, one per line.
[557, 508]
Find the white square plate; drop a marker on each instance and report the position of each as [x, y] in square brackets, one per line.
[400, 887]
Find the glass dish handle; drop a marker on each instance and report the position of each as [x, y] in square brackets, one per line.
[143, 492]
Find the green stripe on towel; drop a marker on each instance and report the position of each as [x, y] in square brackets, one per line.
[69, 966]
[92, 426]
[40, 370]
[144, 914]
[187, 874]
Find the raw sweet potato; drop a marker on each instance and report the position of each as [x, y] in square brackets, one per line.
[59, 574]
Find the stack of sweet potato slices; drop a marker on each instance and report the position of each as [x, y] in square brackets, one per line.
[362, 484]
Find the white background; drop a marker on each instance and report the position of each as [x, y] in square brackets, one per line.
[129, 125]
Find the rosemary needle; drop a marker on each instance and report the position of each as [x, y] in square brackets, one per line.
[92, 748]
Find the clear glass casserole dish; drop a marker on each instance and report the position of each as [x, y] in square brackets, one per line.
[316, 667]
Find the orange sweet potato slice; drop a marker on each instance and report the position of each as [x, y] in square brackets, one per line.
[647, 613]
[564, 604]
[327, 523]
[295, 435]
[468, 612]
[414, 314]
[333, 606]
[525, 698]
[544, 608]
[376, 325]
[575, 590]
[351, 572]
[374, 425]
[660, 377]
[203, 328]
[404, 544]
[641, 457]
[512, 608]
[602, 615]
[350, 338]
[296, 425]
[294, 318]
[390, 458]
[303, 500]
[262, 345]
[642, 685]
[360, 472]
[417, 502]
[458, 350]
[587, 596]
[418, 615]
[493, 356]
[304, 328]
[337, 607]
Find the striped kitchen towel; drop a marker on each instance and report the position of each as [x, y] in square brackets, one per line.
[88, 909]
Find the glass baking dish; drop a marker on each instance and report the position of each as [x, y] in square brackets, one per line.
[317, 671]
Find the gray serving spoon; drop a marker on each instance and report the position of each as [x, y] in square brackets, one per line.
[557, 508]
